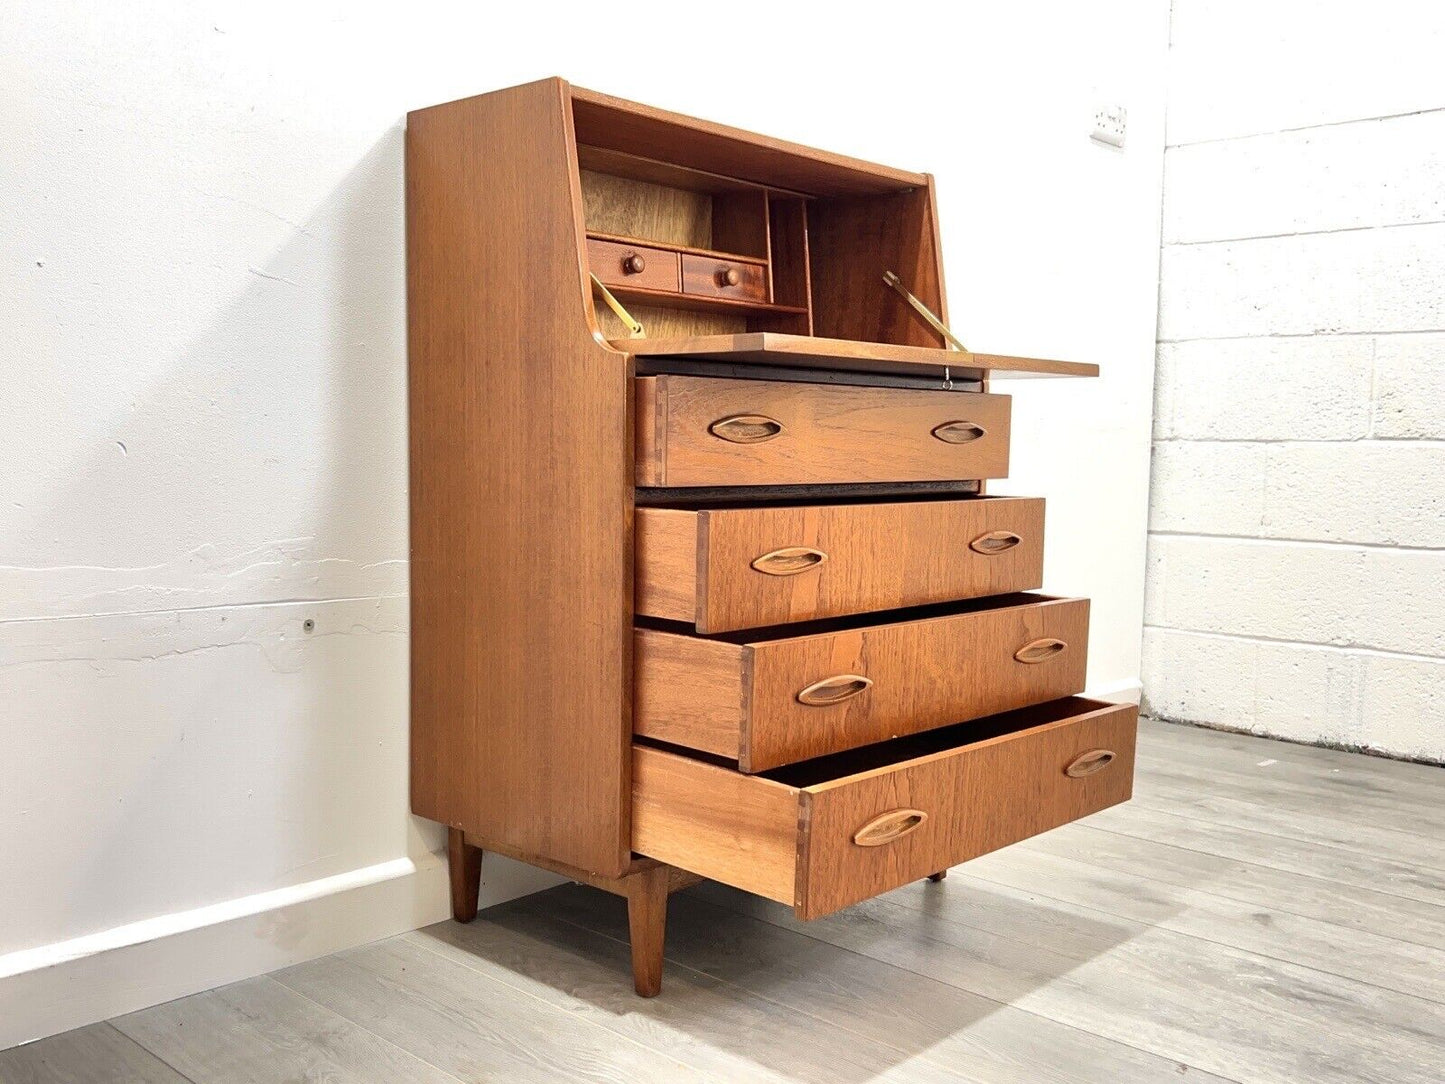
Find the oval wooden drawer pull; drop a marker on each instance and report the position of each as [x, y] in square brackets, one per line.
[790, 560]
[1094, 760]
[958, 432]
[895, 824]
[833, 690]
[746, 428]
[1040, 650]
[994, 542]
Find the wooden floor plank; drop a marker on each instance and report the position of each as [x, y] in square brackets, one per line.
[471, 1024]
[1263, 787]
[1266, 889]
[861, 996]
[260, 1032]
[1262, 912]
[1276, 820]
[697, 1010]
[587, 975]
[87, 1055]
[1362, 955]
[1378, 872]
[1228, 1012]
[1331, 769]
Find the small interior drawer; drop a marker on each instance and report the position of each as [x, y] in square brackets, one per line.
[708, 431]
[721, 569]
[775, 696]
[715, 276]
[618, 264]
[829, 832]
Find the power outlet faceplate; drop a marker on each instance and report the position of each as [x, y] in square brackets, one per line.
[1110, 124]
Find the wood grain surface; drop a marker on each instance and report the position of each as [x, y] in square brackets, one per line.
[970, 790]
[712, 821]
[698, 566]
[619, 125]
[521, 500]
[853, 242]
[931, 668]
[829, 434]
[978, 798]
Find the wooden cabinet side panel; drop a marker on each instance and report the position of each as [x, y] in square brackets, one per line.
[737, 829]
[853, 241]
[520, 442]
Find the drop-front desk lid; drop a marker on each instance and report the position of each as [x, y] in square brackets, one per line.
[807, 351]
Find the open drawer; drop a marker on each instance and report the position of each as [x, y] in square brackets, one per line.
[750, 566]
[774, 696]
[830, 832]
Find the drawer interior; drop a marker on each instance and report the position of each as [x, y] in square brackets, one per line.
[870, 758]
[850, 622]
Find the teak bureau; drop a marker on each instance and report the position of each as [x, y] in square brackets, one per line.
[726, 600]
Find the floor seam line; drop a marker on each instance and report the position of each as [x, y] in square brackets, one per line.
[142, 1046]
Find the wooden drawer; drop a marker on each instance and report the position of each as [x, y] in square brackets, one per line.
[614, 263]
[831, 832]
[786, 694]
[703, 431]
[714, 277]
[735, 568]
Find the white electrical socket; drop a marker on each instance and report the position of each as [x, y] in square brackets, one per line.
[1110, 124]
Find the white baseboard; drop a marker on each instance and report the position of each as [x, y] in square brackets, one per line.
[68, 984]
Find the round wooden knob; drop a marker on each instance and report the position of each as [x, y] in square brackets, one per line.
[728, 276]
[634, 264]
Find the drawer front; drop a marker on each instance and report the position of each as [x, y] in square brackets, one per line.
[618, 264]
[737, 568]
[777, 701]
[864, 836]
[703, 431]
[835, 831]
[713, 277]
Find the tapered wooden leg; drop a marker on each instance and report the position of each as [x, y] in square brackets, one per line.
[936, 877]
[465, 862]
[647, 920]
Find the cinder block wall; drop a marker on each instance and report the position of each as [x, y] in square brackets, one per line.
[1296, 581]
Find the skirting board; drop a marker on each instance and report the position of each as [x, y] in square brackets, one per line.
[57, 987]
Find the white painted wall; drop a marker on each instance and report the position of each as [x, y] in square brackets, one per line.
[202, 262]
[1297, 528]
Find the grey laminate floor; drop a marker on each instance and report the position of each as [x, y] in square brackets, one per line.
[1259, 912]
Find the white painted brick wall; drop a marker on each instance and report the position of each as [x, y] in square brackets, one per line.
[1409, 399]
[1296, 574]
[1366, 492]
